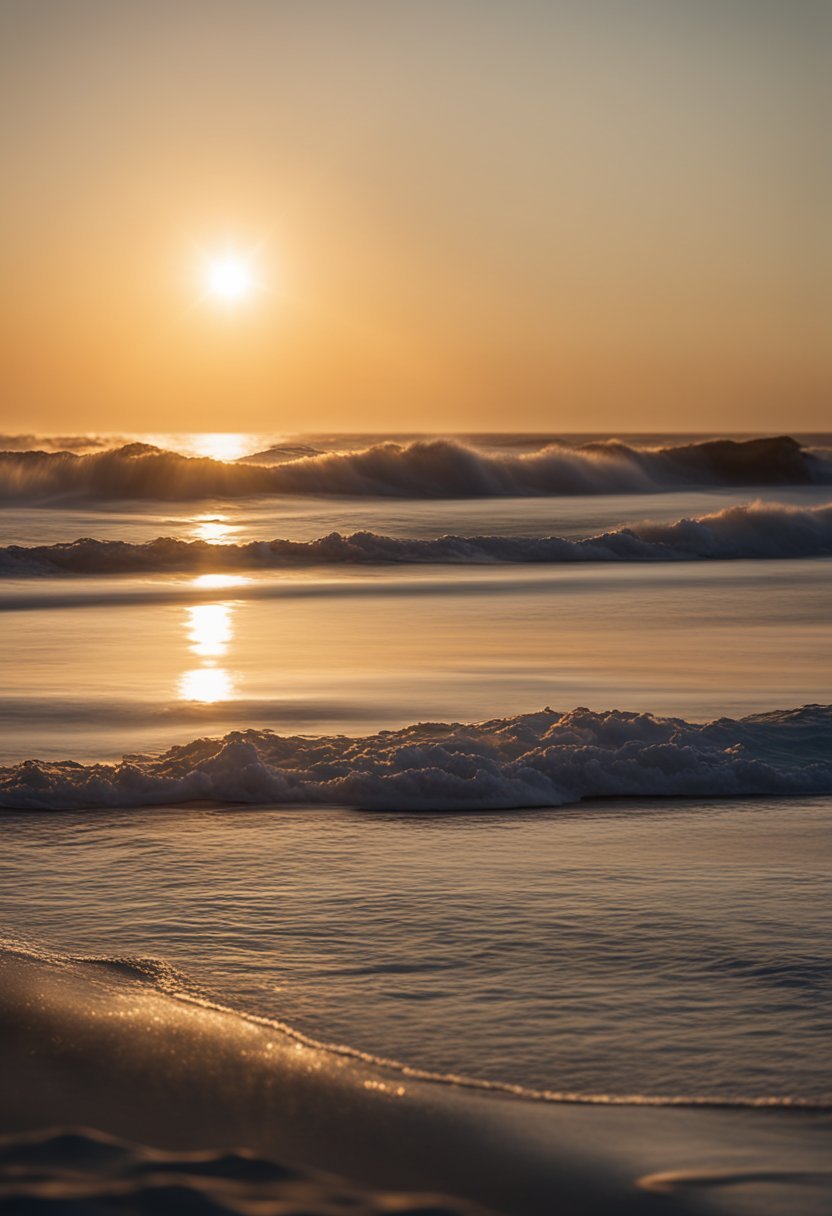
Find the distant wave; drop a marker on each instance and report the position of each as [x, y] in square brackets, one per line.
[761, 530]
[58, 443]
[280, 454]
[435, 468]
[533, 760]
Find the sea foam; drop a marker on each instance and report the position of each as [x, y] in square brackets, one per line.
[761, 530]
[533, 760]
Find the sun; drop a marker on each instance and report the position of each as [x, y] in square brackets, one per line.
[229, 278]
[232, 274]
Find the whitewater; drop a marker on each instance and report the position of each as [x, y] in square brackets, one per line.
[543, 759]
[761, 530]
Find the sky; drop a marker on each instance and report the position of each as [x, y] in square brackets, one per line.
[460, 215]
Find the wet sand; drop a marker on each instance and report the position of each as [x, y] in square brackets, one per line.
[101, 1045]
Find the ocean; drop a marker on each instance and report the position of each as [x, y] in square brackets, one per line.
[501, 758]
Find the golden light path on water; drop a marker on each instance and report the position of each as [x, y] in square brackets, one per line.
[219, 582]
[213, 528]
[207, 685]
[210, 629]
[210, 632]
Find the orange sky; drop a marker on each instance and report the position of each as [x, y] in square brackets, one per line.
[468, 214]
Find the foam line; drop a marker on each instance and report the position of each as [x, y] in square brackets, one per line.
[759, 531]
[544, 759]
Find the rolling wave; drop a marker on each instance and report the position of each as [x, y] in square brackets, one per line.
[761, 530]
[59, 443]
[435, 468]
[533, 760]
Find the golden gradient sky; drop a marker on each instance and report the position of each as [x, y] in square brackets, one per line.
[469, 214]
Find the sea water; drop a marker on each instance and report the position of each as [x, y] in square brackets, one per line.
[465, 904]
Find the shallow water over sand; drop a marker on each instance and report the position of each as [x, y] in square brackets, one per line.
[619, 948]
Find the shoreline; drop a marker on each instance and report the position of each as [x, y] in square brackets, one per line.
[93, 1045]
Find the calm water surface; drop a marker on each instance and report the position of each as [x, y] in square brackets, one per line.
[138, 665]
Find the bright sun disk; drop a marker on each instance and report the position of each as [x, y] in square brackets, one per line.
[229, 278]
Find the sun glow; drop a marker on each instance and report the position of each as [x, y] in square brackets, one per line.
[221, 445]
[229, 278]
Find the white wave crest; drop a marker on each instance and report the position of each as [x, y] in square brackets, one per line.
[539, 759]
[436, 468]
[761, 530]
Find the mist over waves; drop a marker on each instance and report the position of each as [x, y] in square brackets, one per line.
[425, 468]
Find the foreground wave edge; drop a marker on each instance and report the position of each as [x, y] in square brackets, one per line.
[543, 759]
[106, 1047]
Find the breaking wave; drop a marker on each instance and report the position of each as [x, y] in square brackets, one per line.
[59, 443]
[533, 760]
[435, 468]
[761, 530]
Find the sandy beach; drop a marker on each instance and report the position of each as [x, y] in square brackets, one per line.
[97, 1045]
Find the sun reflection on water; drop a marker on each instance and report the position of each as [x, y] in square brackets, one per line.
[219, 582]
[206, 684]
[210, 629]
[213, 528]
[210, 632]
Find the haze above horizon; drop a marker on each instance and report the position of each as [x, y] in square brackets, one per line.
[445, 216]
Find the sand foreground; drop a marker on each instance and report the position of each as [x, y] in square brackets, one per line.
[101, 1045]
